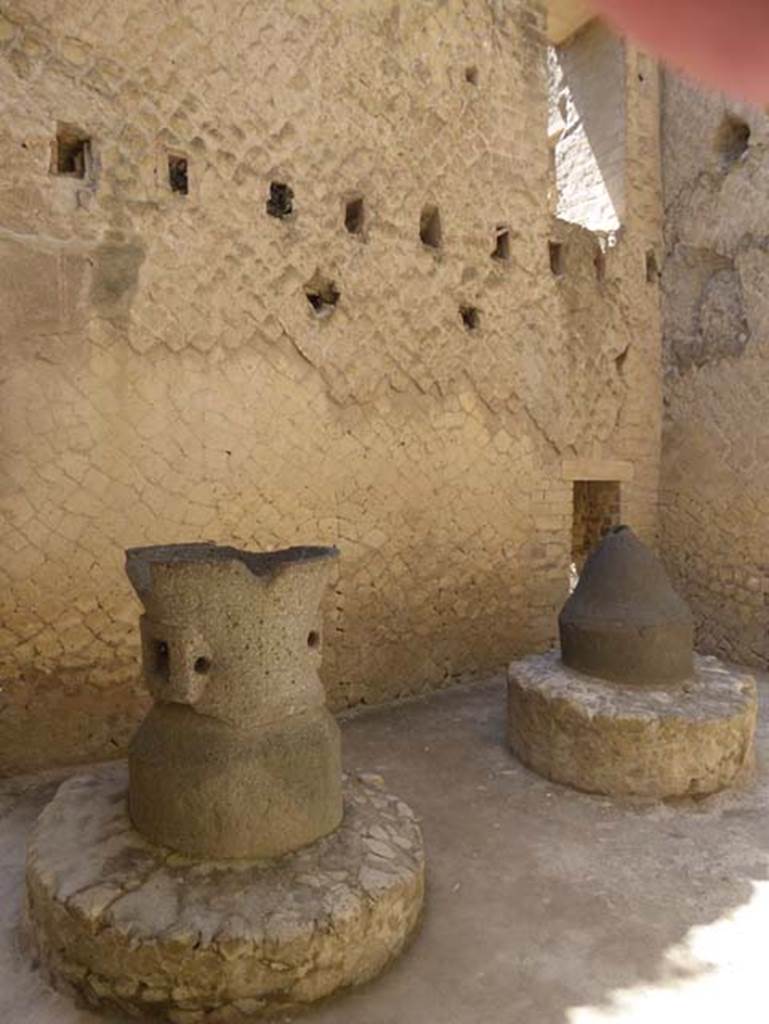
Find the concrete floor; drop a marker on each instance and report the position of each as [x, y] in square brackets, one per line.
[544, 906]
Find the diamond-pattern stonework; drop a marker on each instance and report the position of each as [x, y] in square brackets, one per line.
[165, 377]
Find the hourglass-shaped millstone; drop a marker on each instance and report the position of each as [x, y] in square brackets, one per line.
[238, 757]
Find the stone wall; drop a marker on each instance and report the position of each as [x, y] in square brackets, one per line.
[181, 364]
[715, 478]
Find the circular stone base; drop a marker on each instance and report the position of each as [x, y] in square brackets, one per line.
[625, 740]
[150, 932]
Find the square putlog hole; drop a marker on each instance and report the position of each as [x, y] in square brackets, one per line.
[354, 216]
[430, 229]
[178, 173]
[72, 156]
[652, 267]
[322, 294]
[280, 202]
[471, 317]
[732, 139]
[502, 244]
[599, 263]
[555, 253]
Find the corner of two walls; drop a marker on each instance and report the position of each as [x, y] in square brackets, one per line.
[607, 226]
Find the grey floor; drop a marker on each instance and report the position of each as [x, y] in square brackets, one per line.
[544, 906]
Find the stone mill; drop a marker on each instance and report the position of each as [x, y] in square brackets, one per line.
[233, 870]
[626, 707]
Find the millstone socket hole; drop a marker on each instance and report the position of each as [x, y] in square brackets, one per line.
[313, 638]
[162, 666]
[202, 665]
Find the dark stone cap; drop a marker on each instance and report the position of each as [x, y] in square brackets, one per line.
[260, 563]
[624, 621]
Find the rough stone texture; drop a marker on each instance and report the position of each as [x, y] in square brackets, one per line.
[715, 483]
[624, 622]
[167, 376]
[238, 756]
[136, 927]
[620, 740]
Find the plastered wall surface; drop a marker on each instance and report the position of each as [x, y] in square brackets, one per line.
[715, 466]
[166, 378]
